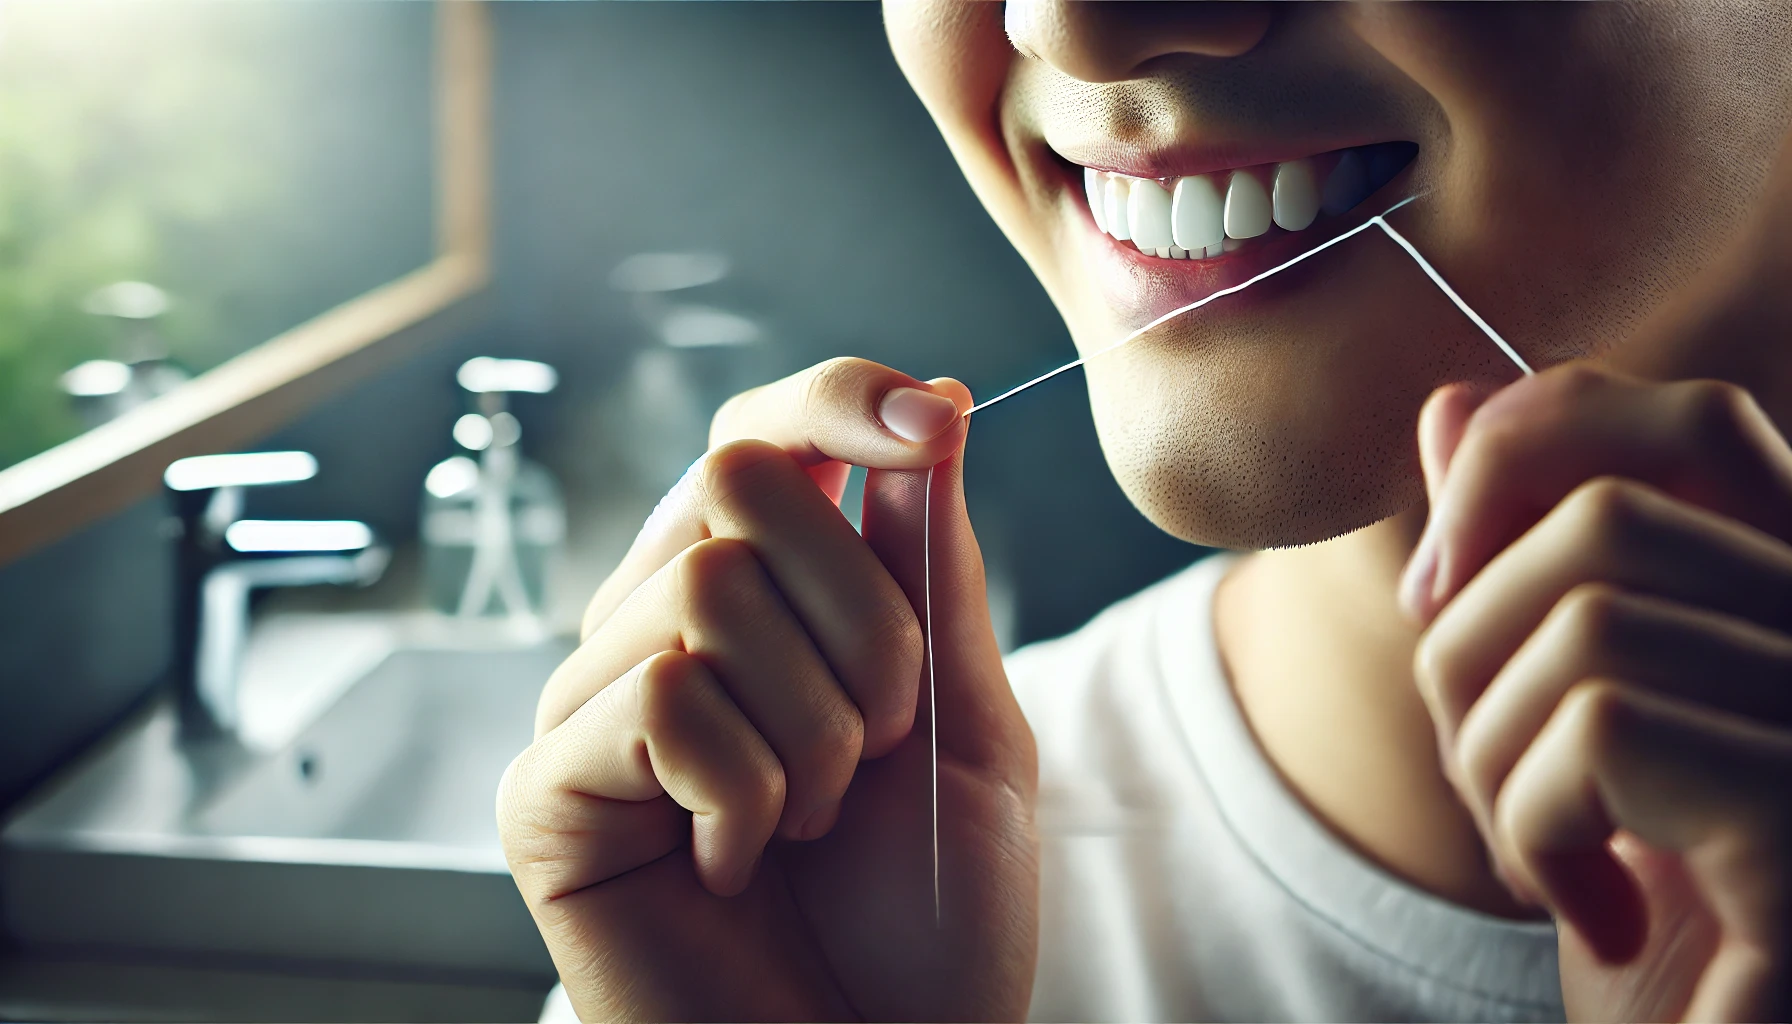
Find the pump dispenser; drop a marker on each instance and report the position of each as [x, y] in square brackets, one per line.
[492, 521]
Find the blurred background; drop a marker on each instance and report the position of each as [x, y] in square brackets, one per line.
[261, 744]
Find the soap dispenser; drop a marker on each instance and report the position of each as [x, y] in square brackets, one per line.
[104, 389]
[492, 521]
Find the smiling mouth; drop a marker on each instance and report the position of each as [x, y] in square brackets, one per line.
[1203, 217]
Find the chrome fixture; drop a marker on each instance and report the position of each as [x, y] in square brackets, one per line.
[222, 557]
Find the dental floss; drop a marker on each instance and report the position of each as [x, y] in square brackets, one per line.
[1379, 221]
[1444, 286]
[933, 706]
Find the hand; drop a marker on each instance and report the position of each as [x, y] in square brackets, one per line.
[1607, 585]
[726, 811]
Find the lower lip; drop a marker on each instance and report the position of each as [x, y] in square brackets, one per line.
[1139, 288]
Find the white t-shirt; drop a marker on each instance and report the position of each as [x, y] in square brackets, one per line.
[1181, 880]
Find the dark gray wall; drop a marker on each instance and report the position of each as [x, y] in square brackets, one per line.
[781, 134]
[83, 629]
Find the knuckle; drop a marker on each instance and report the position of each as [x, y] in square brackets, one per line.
[841, 384]
[1478, 765]
[1717, 412]
[1438, 670]
[1590, 713]
[1593, 617]
[531, 811]
[832, 375]
[886, 672]
[763, 786]
[742, 467]
[896, 640]
[843, 731]
[1508, 426]
[825, 378]
[1571, 382]
[834, 747]
[670, 683]
[1496, 439]
[717, 574]
[1607, 510]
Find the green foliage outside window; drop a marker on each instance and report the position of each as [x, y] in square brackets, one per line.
[228, 153]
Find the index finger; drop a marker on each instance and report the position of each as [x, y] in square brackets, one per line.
[1528, 447]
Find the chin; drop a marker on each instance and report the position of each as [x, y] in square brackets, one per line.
[1213, 452]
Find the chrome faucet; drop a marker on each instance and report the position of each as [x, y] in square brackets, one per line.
[222, 557]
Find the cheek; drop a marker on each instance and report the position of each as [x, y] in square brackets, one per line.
[956, 57]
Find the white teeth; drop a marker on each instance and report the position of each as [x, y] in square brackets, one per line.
[1347, 185]
[1196, 213]
[1296, 199]
[1148, 215]
[1205, 215]
[1247, 206]
[1119, 190]
[1098, 202]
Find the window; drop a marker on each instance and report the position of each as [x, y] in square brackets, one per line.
[266, 198]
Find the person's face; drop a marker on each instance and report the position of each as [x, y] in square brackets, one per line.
[1575, 162]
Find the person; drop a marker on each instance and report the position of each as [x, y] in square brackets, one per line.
[1487, 716]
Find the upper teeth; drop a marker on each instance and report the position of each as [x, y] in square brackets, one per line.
[1191, 217]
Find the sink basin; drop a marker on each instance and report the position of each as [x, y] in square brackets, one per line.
[359, 833]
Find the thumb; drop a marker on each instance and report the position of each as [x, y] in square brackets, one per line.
[922, 534]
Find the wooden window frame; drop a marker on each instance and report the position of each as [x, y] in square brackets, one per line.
[53, 494]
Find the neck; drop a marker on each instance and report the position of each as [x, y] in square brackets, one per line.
[1321, 660]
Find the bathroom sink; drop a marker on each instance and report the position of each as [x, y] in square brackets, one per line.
[352, 828]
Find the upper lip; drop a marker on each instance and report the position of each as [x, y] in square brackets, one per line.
[1194, 157]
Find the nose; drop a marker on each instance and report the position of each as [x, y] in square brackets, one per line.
[1108, 41]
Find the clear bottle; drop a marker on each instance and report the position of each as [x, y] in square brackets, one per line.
[492, 521]
[104, 389]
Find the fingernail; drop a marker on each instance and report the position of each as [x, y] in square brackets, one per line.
[916, 415]
[1418, 582]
